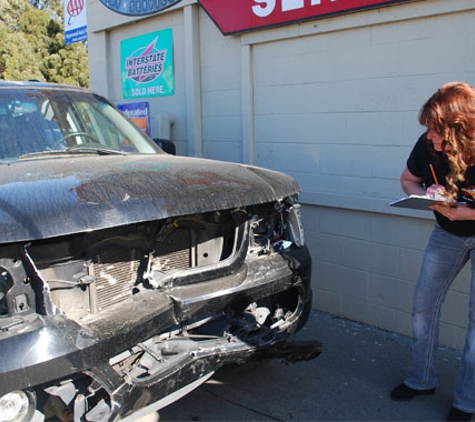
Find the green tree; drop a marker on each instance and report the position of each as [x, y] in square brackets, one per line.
[33, 44]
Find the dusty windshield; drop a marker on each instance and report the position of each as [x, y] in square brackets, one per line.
[55, 121]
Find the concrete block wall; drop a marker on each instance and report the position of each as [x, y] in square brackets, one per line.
[221, 93]
[337, 108]
[365, 267]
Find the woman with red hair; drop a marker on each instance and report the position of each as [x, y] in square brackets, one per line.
[443, 162]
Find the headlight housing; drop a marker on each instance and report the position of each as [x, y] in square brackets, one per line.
[295, 231]
[17, 406]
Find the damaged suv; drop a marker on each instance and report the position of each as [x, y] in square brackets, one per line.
[128, 276]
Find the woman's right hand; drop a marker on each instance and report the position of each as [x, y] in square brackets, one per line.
[434, 190]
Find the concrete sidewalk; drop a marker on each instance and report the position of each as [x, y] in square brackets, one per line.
[349, 381]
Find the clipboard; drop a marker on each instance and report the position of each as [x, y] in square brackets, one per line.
[418, 202]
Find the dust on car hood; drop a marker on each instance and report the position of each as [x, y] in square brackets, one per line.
[50, 197]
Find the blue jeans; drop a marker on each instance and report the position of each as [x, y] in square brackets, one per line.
[444, 258]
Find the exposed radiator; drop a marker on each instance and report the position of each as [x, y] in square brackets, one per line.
[116, 270]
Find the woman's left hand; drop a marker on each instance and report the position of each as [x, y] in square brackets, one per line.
[457, 212]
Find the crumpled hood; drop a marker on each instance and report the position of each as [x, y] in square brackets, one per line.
[51, 197]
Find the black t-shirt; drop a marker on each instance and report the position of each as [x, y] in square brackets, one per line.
[418, 163]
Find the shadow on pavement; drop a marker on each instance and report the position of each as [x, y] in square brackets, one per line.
[349, 381]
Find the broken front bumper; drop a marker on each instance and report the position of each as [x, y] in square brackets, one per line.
[154, 348]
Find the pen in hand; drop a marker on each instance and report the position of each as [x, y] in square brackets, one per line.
[439, 191]
[433, 174]
[435, 191]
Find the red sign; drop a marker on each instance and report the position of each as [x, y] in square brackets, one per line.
[233, 16]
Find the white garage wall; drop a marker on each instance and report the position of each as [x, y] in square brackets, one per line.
[221, 92]
[338, 110]
[333, 102]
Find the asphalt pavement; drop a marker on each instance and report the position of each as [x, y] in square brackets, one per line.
[349, 381]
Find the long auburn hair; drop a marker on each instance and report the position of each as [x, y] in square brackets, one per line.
[451, 113]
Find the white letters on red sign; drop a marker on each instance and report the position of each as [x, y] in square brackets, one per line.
[264, 11]
[237, 16]
[264, 8]
[291, 5]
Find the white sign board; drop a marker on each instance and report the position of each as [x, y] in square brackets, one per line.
[75, 25]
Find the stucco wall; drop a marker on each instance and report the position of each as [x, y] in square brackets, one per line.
[333, 102]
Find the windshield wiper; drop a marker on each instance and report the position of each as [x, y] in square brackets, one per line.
[97, 150]
[74, 150]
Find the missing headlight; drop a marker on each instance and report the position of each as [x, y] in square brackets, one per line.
[294, 226]
[278, 227]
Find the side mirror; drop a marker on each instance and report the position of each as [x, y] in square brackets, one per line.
[166, 145]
